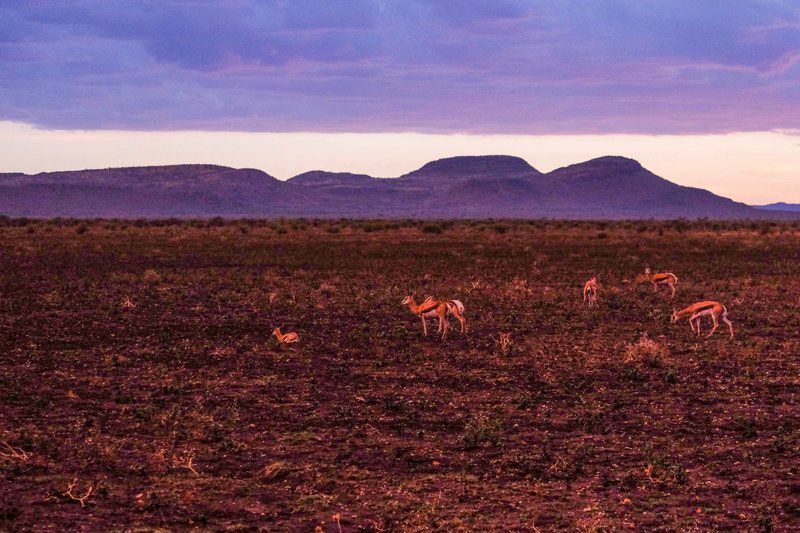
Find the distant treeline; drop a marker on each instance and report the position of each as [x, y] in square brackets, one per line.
[284, 225]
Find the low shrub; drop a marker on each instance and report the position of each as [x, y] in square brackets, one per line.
[646, 351]
[432, 228]
[482, 430]
[662, 470]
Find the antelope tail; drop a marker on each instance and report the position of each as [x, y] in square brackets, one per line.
[458, 305]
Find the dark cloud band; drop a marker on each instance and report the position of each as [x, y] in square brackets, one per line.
[664, 66]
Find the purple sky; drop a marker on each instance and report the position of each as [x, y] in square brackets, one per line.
[500, 66]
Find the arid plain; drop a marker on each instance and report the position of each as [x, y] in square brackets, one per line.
[139, 383]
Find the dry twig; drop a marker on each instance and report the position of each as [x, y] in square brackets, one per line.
[190, 465]
[504, 342]
[14, 454]
[80, 499]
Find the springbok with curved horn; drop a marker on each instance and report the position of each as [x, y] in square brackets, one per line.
[285, 338]
[665, 278]
[590, 292]
[716, 310]
[441, 308]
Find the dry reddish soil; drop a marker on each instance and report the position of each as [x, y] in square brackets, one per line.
[136, 361]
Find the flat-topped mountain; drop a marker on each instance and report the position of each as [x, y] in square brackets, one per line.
[321, 178]
[134, 176]
[159, 191]
[466, 167]
[495, 186]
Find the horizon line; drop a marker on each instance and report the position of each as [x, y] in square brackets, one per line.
[743, 166]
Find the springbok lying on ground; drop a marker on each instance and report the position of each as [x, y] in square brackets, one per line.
[287, 338]
[441, 308]
[666, 278]
[715, 309]
[590, 292]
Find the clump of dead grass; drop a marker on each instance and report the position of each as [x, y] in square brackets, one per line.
[276, 471]
[647, 351]
[151, 276]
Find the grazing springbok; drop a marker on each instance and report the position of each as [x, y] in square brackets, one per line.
[666, 278]
[441, 308]
[590, 292]
[715, 309]
[287, 338]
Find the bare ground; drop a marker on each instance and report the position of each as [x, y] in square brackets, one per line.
[136, 361]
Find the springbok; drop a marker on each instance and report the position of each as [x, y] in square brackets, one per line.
[441, 308]
[666, 278]
[590, 292]
[285, 338]
[715, 309]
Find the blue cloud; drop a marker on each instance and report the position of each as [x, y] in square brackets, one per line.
[370, 65]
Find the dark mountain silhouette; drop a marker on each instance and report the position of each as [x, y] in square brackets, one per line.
[173, 190]
[321, 178]
[617, 187]
[780, 206]
[457, 187]
[473, 167]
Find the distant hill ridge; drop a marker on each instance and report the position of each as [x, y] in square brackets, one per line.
[321, 177]
[496, 186]
[493, 166]
[780, 206]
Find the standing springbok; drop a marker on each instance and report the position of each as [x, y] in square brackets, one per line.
[441, 308]
[715, 309]
[287, 338]
[590, 292]
[665, 278]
